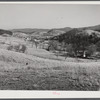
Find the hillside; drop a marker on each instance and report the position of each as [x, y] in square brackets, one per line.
[7, 32]
[54, 32]
[65, 29]
[29, 30]
[59, 31]
[46, 74]
[95, 28]
[76, 31]
[43, 33]
[38, 69]
[69, 33]
[89, 30]
[32, 30]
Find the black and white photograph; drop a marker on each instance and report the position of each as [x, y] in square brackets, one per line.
[50, 47]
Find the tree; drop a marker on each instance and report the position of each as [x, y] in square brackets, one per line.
[53, 45]
[69, 50]
[34, 41]
[80, 42]
[98, 46]
[91, 49]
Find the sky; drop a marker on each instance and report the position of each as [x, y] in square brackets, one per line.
[13, 16]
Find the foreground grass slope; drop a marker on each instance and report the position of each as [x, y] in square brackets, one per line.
[27, 72]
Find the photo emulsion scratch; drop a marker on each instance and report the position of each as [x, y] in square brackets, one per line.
[50, 47]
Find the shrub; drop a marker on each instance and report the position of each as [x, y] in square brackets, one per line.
[91, 49]
[98, 46]
[18, 48]
[53, 45]
[10, 47]
[22, 48]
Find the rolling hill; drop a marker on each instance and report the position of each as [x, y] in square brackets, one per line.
[54, 31]
[7, 32]
[75, 31]
[29, 30]
[42, 33]
[95, 28]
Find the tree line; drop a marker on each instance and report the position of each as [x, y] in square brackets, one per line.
[77, 43]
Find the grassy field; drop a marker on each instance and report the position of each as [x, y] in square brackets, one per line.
[38, 69]
[46, 74]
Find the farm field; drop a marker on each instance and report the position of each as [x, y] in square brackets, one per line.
[38, 69]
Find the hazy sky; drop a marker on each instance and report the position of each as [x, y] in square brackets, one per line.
[48, 16]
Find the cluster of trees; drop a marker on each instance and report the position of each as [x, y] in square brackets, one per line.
[18, 48]
[34, 41]
[77, 43]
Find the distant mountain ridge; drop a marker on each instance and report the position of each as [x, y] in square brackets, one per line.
[49, 32]
[42, 32]
[65, 29]
[29, 30]
[2, 32]
[95, 28]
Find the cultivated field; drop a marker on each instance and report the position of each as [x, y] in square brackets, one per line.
[38, 69]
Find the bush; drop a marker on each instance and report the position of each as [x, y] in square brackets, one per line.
[18, 48]
[10, 47]
[22, 48]
[91, 49]
[53, 45]
[98, 46]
